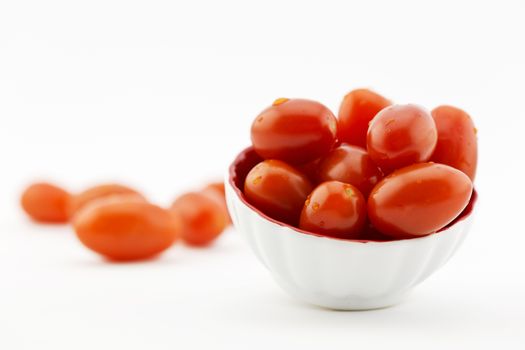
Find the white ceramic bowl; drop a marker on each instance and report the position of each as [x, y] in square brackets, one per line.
[335, 273]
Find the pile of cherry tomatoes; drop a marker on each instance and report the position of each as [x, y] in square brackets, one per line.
[378, 171]
[119, 223]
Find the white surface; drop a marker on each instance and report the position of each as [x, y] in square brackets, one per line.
[161, 94]
[343, 275]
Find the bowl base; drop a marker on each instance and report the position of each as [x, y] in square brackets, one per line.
[347, 303]
[357, 304]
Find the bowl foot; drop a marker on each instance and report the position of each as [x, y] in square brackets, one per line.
[362, 304]
[352, 303]
[346, 303]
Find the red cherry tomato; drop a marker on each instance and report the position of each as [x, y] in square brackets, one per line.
[350, 164]
[45, 202]
[334, 209]
[356, 111]
[457, 144]
[418, 200]
[216, 186]
[296, 131]
[278, 190]
[97, 192]
[203, 218]
[216, 192]
[125, 227]
[401, 135]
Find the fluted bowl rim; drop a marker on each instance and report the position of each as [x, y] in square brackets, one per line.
[249, 154]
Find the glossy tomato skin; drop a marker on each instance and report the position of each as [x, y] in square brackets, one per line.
[294, 130]
[96, 192]
[46, 203]
[350, 164]
[202, 216]
[278, 190]
[358, 108]
[401, 135]
[334, 209]
[125, 227]
[418, 200]
[457, 143]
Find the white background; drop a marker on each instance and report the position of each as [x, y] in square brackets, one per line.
[161, 94]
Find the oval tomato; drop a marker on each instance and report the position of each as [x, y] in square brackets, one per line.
[358, 108]
[352, 165]
[418, 200]
[126, 227]
[216, 191]
[45, 202]
[457, 144]
[401, 135]
[216, 186]
[334, 209]
[278, 190]
[202, 216]
[296, 131]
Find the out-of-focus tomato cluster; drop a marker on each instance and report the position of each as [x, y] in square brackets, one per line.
[121, 224]
[379, 171]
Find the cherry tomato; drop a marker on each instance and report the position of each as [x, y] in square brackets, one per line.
[401, 135]
[45, 202]
[296, 131]
[125, 227]
[457, 144]
[418, 200]
[217, 186]
[356, 111]
[96, 192]
[334, 209]
[278, 190]
[217, 193]
[353, 165]
[203, 218]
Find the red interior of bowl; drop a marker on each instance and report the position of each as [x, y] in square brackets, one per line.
[248, 158]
